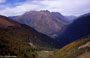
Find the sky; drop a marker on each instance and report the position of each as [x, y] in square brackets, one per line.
[65, 7]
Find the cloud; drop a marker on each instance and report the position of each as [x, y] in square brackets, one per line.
[2, 1]
[18, 10]
[66, 7]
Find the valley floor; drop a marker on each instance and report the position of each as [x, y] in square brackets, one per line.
[45, 54]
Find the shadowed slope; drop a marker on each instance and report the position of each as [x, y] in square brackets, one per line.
[79, 28]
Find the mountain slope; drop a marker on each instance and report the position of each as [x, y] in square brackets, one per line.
[30, 34]
[22, 40]
[49, 23]
[10, 45]
[5, 22]
[79, 28]
[76, 49]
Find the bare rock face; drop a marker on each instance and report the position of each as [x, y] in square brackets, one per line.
[85, 45]
[44, 21]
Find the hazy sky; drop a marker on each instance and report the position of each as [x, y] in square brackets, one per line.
[65, 7]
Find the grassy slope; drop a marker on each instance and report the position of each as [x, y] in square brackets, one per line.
[72, 50]
[14, 41]
[14, 46]
[30, 35]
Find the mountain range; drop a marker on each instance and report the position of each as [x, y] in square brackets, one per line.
[26, 35]
[44, 21]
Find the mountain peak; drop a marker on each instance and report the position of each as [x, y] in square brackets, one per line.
[45, 11]
[43, 21]
[41, 11]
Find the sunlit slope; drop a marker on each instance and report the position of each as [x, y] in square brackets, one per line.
[75, 49]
